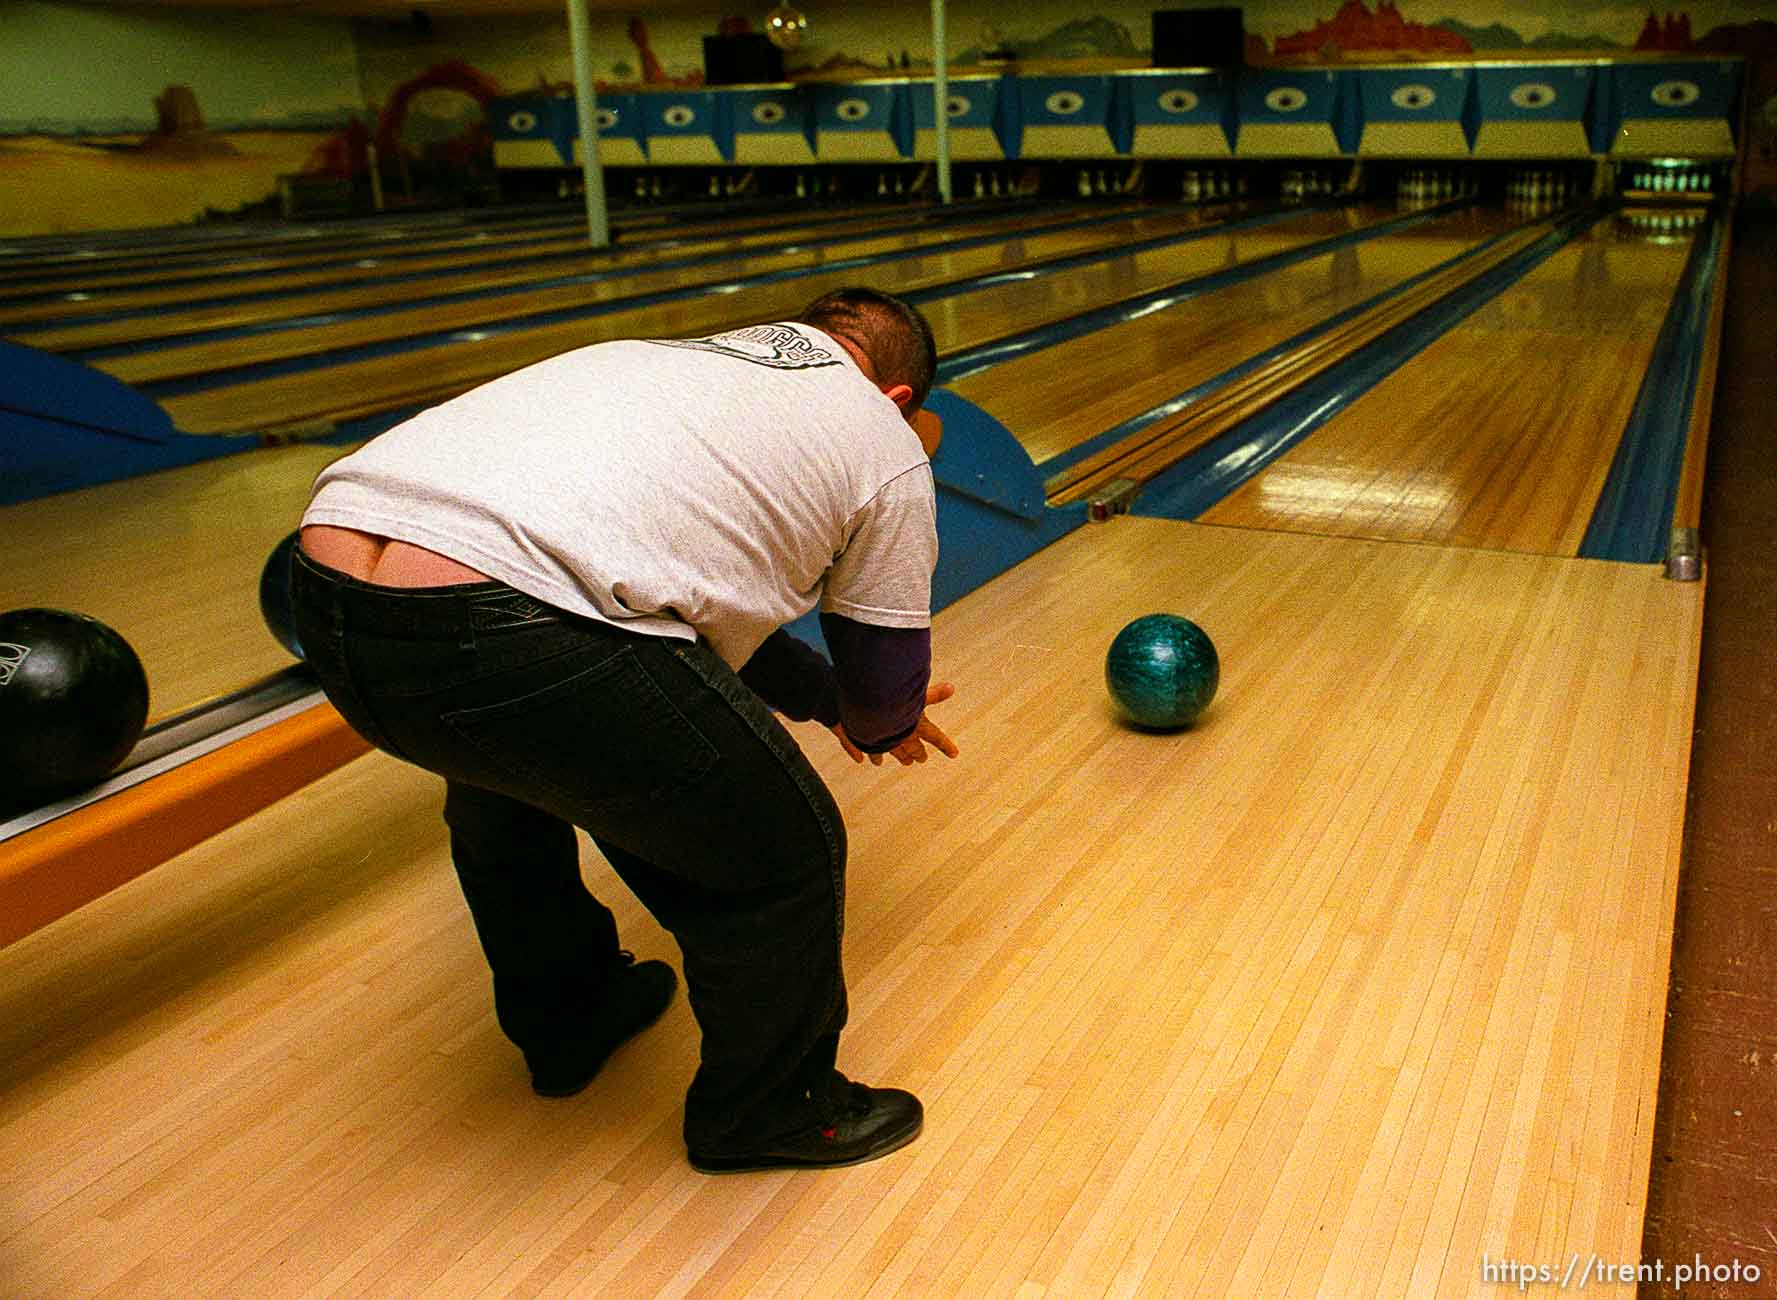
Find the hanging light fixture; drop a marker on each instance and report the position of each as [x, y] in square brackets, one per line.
[786, 26]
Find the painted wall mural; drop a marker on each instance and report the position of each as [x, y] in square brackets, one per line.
[849, 40]
[119, 117]
[116, 118]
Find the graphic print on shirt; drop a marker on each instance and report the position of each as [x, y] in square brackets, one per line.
[776, 346]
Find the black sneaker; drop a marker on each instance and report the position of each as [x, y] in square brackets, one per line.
[639, 994]
[870, 1122]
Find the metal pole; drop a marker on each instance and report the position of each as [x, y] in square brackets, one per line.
[376, 175]
[941, 97]
[598, 224]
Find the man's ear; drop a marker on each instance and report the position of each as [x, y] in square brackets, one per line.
[899, 394]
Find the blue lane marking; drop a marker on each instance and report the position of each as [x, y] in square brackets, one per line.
[161, 389]
[1193, 484]
[1633, 515]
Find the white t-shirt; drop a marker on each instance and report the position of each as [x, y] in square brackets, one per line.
[719, 487]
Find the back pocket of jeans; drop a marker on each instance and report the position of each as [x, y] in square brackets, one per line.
[605, 737]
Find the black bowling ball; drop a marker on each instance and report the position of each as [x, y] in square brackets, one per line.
[274, 595]
[73, 703]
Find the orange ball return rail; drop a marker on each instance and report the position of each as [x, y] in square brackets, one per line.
[51, 869]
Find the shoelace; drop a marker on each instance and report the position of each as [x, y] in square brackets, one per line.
[856, 1102]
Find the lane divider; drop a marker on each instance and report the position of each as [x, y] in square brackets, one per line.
[1634, 516]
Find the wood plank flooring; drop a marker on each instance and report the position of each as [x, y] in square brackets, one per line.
[1346, 991]
[1351, 990]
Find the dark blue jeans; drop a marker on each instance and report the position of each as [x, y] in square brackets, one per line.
[540, 721]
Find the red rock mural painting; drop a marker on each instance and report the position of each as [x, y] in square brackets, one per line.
[1671, 36]
[1355, 30]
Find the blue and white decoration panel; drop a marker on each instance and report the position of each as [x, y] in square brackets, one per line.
[981, 113]
[533, 132]
[868, 121]
[546, 132]
[1665, 108]
[1416, 112]
[1296, 113]
[772, 124]
[619, 122]
[1179, 114]
[687, 127]
[1681, 110]
[1538, 110]
[1065, 117]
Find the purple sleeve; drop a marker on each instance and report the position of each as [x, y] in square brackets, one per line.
[882, 675]
[876, 684]
[793, 678]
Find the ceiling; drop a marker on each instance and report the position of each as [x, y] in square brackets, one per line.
[404, 9]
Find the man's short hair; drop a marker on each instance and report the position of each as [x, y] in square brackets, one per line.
[890, 331]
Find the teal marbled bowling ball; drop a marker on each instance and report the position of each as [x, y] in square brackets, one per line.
[1162, 671]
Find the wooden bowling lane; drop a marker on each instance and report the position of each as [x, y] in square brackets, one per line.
[1500, 433]
[982, 315]
[452, 364]
[177, 359]
[349, 288]
[1352, 987]
[80, 299]
[172, 561]
[221, 238]
[1053, 400]
[308, 245]
[147, 268]
[345, 263]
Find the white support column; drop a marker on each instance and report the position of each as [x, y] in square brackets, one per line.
[941, 96]
[598, 225]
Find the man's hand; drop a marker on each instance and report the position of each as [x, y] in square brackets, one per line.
[913, 749]
[856, 754]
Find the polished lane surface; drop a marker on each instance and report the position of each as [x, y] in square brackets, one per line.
[89, 317]
[1055, 399]
[537, 295]
[1501, 432]
[457, 350]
